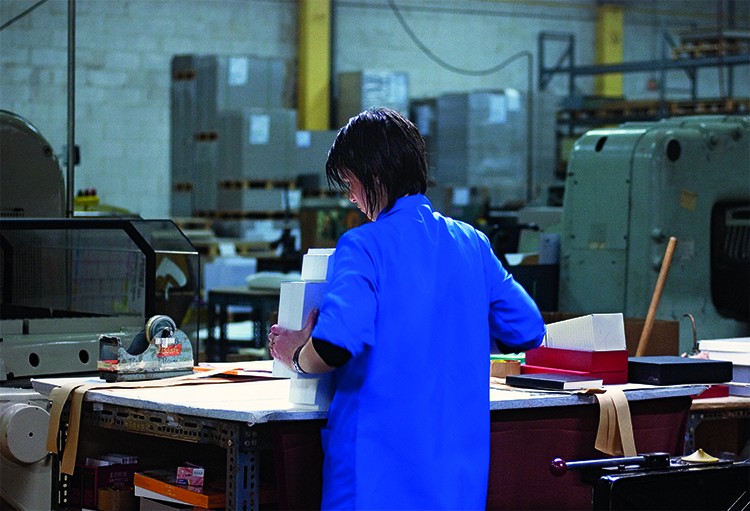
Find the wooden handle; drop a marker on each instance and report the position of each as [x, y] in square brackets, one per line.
[648, 325]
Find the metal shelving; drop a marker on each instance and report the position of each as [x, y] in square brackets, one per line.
[566, 64]
[580, 114]
[240, 442]
[618, 111]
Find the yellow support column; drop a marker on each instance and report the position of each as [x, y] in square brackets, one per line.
[609, 43]
[314, 66]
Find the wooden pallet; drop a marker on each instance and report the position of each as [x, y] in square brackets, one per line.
[265, 184]
[210, 250]
[245, 215]
[182, 187]
[206, 136]
[629, 109]
[253, 248]
[187, 74]
[323, 194]
[642, 109]
[614, 109]
[711, 48]
[709, 106]
[192, 224]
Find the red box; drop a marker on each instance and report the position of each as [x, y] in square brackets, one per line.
[716, 390]
[579, 360]
[608, 377]
[87, 480]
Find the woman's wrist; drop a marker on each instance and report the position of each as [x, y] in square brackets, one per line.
[295, 360]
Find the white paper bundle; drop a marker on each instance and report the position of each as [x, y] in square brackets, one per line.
[296, 300]
[594, 332]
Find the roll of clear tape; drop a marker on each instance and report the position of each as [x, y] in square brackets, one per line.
[23, 432]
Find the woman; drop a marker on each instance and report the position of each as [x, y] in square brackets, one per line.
[412, 302]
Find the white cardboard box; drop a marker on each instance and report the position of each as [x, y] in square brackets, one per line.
[735, 350]
[317, 263]
[296, 300]
[594, 332]
[306, 389]
[736, 344]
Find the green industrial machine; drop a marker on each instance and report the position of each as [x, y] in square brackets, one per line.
[628, 190]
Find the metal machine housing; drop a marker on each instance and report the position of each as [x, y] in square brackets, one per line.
[628, 189]
[65, 282]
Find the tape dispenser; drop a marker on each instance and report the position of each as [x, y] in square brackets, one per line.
[160, 350]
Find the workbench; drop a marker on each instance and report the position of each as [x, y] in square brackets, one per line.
[269, 449]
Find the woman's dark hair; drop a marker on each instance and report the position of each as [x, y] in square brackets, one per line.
[384, 151]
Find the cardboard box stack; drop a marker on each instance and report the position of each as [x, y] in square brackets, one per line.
[592, 345]
[296, 300]
[737, 351]
[108, 471]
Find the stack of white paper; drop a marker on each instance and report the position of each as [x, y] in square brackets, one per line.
[296, 300]
[737, 351]
[594, 332]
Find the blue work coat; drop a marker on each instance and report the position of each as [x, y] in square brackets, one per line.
[415, 297]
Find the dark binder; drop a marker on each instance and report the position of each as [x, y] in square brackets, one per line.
[551, 381]
[674, 370]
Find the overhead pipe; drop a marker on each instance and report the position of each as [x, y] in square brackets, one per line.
[70, 197]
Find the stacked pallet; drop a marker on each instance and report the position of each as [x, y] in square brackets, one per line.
[617, 111]
[709, 43]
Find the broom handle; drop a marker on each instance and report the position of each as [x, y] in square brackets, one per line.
[648, 325]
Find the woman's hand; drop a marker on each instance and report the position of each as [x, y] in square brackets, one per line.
[282, 342]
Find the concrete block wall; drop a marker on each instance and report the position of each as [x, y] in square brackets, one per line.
[472, 36]
[124, 49]
[123, 56]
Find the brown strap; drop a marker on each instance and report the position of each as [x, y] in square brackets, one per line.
[605, 433]
[615, 433]
[624, 423]
[74, 426]
[60, 396]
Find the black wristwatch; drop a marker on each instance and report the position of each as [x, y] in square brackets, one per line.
[295, 360]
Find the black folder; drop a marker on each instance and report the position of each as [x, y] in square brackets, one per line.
[673, 370]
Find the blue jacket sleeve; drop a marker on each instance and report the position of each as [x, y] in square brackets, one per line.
[516, 324]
